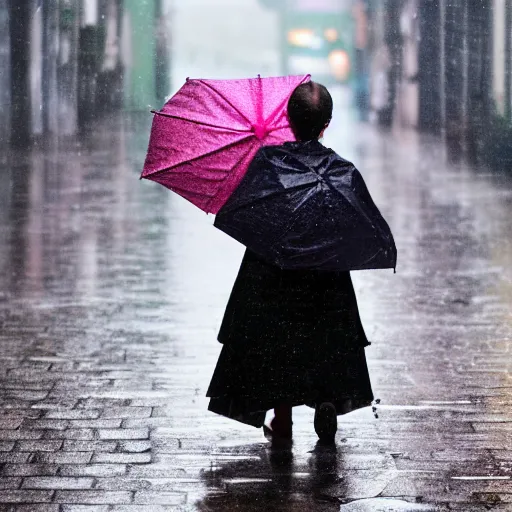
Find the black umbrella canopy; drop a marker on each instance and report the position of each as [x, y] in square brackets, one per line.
[301, 206]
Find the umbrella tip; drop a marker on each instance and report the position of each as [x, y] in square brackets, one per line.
[259, 76]
[187, 79]
[153, 111]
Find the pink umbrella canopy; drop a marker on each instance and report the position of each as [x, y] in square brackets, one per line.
[205, 136]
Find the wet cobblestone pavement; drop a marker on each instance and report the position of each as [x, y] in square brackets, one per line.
[111, 294]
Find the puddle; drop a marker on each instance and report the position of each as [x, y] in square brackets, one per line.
[446, 402]
[385, 505]
[247, 480]
[483, 477]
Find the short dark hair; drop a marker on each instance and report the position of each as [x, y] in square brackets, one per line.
[309, 110]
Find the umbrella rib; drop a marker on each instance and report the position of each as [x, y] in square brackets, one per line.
[292, 222]
[201, 156]
[202, 123]
[192, 193]
[225, 99]
[241, 159]
[182, 172]
[278, 128]
[372, 257]
[272, 194]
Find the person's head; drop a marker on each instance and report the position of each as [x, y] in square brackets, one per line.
[309, 111]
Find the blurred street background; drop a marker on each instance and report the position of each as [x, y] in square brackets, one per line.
[112, 289]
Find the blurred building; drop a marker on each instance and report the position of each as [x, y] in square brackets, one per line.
[65, 62]
[146, 52]
[319, 37]
[445, 67]
[5, 68]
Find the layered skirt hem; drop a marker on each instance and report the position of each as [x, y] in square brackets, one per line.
[245, 395]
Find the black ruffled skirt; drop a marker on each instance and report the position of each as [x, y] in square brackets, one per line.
[289, 336]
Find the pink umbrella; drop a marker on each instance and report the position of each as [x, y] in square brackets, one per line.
[204, 138]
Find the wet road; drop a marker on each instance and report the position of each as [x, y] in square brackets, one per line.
[111, 294]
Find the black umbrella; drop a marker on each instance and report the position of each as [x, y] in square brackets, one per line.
[300, 205]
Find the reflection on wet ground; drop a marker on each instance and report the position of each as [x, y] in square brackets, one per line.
[274, 477]
[111, 293]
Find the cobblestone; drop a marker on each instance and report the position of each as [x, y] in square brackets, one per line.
[24, 394]
[29, 469]
[105, 405]
[93, 497]
[101, 423]
[25, 496]
[124, 433]
[157, 471]
[157, 498]
[38, 446]
[122, 458]
[10, 423]
[151, 422]
[89, 446]
[57, 483]
[46, 424]
[36, 508]
[9, 483]
[76, 434]
[14, 458]
[135, 446]
[96, 470]
[76, 414]
[127, 412]
[122, 484]
[109, 314]
[63, 457]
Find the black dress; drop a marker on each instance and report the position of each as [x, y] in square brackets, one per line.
[290, 336]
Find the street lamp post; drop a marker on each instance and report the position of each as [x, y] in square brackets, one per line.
[19, 22]
[49, 71]
[5, 73]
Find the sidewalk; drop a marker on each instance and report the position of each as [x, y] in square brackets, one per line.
[111, 293]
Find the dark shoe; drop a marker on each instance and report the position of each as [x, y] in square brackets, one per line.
[275, 431]
[326, 422]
